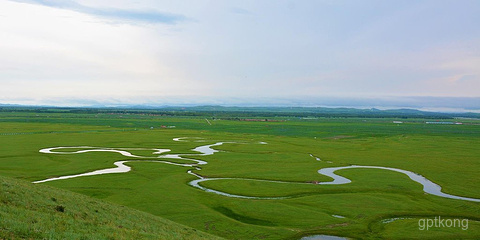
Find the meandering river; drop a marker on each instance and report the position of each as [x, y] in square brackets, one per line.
[205, 150]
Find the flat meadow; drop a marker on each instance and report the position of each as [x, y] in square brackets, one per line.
[377, 204]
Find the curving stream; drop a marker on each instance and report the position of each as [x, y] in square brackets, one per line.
[428, 186]
[121, 167]
[204, 150]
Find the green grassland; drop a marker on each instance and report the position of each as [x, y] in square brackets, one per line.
[30, 211]
[446, 154]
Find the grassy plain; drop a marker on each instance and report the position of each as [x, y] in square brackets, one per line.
[446, 154]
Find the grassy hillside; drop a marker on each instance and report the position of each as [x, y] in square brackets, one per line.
[29, 211]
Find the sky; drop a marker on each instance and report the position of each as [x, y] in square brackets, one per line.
[298, 52]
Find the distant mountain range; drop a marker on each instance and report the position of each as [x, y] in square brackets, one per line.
[229, 111]
[429, 104]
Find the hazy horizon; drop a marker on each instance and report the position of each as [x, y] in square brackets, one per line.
[431, 104]
[414, 54]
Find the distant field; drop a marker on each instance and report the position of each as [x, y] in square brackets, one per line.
[448, 155]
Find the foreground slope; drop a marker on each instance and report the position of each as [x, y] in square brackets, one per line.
[30, 211]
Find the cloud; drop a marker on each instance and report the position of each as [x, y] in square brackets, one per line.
[240, 11]
[247, 50]
[468, 78]
[137, 16]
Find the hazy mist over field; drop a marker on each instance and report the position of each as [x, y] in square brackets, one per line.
[394, 54]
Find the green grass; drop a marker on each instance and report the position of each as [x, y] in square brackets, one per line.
[29, 211]
[446, 154]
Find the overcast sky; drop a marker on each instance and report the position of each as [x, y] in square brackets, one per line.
[74, 52]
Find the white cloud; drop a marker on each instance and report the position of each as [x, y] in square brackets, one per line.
[58, 53]
[125, 15]
[281, 50]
